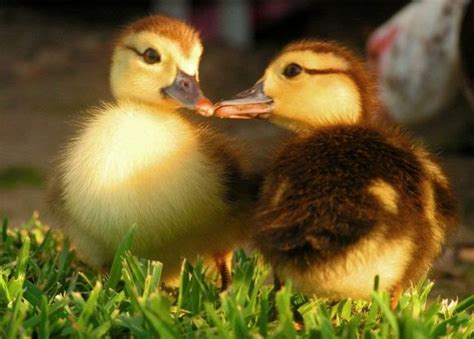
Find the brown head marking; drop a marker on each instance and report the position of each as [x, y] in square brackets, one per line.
[170, 28]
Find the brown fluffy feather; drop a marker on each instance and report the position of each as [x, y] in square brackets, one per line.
[167, 27]
[326, 207]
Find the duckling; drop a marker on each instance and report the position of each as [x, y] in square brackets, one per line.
[138, 161]
[346, 198]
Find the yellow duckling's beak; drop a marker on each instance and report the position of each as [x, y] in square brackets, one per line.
[186, 91]
[251, 103]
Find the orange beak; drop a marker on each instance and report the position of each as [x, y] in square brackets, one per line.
[186, 90]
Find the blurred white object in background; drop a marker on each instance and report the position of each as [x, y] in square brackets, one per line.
[416, 58]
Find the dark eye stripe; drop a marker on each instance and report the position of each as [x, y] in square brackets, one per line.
[134, 50]
[325, 71]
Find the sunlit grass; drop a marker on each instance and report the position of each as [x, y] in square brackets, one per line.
[45, 292]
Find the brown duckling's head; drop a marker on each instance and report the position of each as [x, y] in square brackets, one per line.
[156, 60]
[309, 84]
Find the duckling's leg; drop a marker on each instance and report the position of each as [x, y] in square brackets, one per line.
[277, 285]
[395, 296]
[223, 264]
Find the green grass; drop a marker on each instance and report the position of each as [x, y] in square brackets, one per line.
[45, 292]
[12, 177]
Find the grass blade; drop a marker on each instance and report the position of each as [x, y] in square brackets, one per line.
[23, 258]
[387, 313]
[116, 268]
[43, 331]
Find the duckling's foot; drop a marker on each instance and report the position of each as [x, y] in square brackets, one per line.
[298, 321]
[224, 270]
[395, 296]
[298, 325]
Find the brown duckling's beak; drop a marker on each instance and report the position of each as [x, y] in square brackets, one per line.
[252, 103]
[185, 90]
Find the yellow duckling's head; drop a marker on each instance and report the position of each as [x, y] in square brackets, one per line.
[309, 84]
[156, 60]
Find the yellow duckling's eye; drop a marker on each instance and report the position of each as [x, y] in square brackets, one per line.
[151, 56]
[292, 70]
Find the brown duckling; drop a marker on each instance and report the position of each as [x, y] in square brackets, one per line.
[139, 161]
[346, 198]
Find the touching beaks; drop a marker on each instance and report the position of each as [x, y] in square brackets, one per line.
[252, 103]
[185, 90]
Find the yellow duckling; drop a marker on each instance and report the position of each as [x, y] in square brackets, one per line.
[345, 199]
[137, 161]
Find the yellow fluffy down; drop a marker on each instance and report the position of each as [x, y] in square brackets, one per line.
[352, 275]
[132, 165]
[385, 194]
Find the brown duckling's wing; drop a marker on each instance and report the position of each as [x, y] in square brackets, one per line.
[326, 191]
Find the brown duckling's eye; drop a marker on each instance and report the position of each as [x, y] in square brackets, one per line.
[292, 70]
[151, 56]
